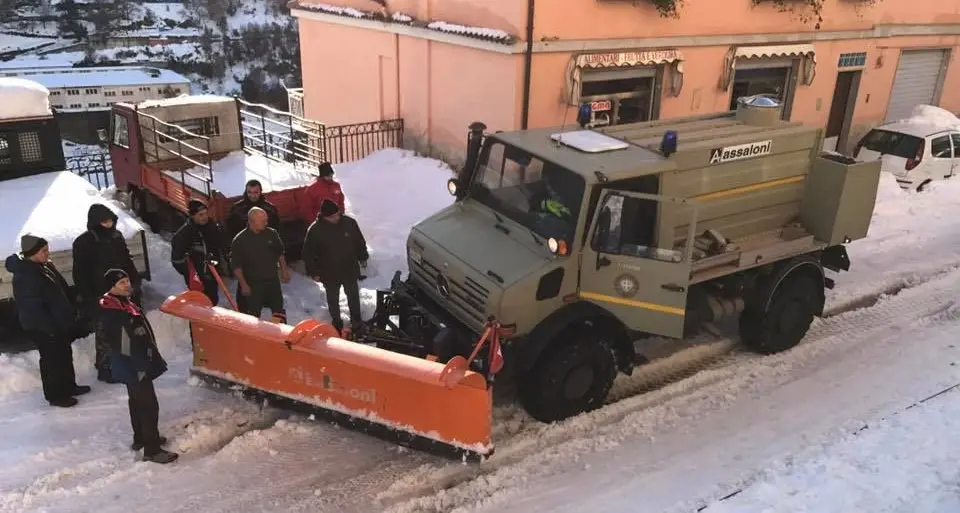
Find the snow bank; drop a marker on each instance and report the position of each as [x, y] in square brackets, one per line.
[23, 98]
[906, 463]
[231, 173]
[53, 206]
[929, 115]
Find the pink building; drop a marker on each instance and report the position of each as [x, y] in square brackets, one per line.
[442, 64]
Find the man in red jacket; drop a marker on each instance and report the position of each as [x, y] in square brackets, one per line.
[325, 188]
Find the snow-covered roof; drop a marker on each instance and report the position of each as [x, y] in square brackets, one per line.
[107, 76]
[925, 120]
[185, 99]
[53, 206]
[23, 98]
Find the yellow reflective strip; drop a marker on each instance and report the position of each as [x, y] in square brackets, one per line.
[629, 302]
[751, 188]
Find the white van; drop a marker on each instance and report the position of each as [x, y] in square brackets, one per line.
[915, 154]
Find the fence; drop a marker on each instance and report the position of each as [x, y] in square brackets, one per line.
[345, 143]
[94, 166]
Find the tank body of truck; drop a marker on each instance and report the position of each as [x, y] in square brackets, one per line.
[41, 194]
[595, 248]
[167, 152]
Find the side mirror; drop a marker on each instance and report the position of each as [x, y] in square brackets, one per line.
[453, 187]
[102, 135]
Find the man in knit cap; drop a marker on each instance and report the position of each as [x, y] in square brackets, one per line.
[48, 315]
[197, 243]
[334, 251]
[135, 361]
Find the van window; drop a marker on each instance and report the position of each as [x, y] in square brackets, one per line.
[940, 147]
[893, 143]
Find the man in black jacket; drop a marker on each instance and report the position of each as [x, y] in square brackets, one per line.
[49, 317]
[134, 360]
[96, 250]
[334, 250]
[199, 240]
[252, 197]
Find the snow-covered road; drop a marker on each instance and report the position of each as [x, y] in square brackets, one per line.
[678, 448]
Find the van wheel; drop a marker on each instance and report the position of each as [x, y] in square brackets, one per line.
[571, 377]
[795, 303]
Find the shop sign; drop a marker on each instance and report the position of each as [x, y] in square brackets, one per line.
[609, 60]
[601, 106]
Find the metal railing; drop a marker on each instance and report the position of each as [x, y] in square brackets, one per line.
[281, 135]
[96, 167]
[346, 143]
[155, 141]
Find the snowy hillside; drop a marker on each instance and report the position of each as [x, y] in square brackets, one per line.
[224, 46]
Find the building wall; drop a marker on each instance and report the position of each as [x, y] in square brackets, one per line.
[81, 99]
[437, 88]
[442, 87]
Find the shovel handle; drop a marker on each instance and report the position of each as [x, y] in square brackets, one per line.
[223, 286]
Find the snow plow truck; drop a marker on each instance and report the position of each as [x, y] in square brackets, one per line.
[40, 196]
[582, 251]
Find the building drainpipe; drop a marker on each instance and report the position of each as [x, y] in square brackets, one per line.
[527, 65]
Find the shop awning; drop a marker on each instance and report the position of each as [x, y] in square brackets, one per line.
[773, 51]
[623, 60]
[805, 52]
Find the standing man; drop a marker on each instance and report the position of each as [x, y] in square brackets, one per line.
[96, 250]
[252, 197]
[49, 317]
[325, 188]
[334, 250]
[256, 254]
[134, 360]
[199, 240]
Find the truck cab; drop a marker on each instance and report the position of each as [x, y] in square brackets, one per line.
[596, 248]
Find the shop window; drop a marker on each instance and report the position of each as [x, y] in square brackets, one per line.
[750, 82]
[624, 100]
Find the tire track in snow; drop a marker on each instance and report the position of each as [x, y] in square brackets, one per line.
[534, 449]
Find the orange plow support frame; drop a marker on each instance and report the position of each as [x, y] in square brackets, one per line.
[409, 400]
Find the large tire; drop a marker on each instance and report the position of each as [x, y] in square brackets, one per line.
[570, 377]
[783, 325]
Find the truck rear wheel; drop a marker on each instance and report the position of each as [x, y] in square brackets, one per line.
[570, 377]
[788, 316]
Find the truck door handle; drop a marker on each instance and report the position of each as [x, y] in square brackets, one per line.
[673, 287]
[602, 261]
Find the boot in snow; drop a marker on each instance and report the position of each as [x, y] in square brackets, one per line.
[162, 457]
[66, 402]
[136, 446]
[80, 390]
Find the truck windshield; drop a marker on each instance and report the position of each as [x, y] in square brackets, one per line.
[540, 195]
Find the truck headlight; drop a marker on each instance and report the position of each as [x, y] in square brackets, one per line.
[557, 246]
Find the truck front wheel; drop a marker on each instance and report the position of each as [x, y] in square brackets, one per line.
[788, 315]
[570, 377]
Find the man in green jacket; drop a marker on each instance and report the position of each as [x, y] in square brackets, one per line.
[257, 255]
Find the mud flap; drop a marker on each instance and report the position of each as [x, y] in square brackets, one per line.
[404, 396]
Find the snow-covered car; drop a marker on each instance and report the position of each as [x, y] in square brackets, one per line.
[917, 151]
[38, 196]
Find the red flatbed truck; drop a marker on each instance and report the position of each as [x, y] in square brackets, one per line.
[167, 152]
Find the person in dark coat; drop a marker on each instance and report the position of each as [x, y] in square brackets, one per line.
[48, 315]
[257, 256]
[135, 361]
[96, 250]
[334, 251]
[252, 197]
[200, 240]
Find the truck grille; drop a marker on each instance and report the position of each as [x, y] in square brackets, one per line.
[467, 295]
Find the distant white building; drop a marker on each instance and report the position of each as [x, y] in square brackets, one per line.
[97, 88]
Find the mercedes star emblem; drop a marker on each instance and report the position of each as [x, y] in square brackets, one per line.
[442, 286]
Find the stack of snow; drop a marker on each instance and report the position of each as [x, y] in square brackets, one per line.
[22, 98]
[929, 115]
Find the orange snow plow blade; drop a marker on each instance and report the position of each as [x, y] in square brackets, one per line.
[409, 400]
